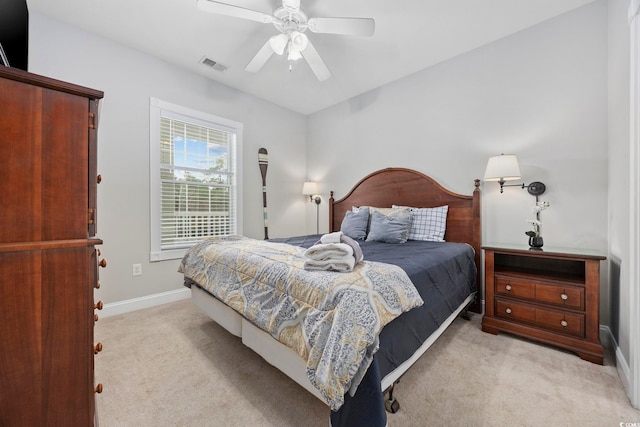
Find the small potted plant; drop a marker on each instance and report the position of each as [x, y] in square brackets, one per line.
[535, 239]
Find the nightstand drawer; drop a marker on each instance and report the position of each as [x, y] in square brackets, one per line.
[515, 311]
[544, 292]
[565, 296]
[567, 323]
[515, 288]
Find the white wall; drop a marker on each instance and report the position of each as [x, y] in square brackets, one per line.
[540, 94]
[129, 78]
[619, 176]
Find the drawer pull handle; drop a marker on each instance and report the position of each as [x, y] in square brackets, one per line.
[95, 317]
[99, 179]
[564, 297]
[97, 348]
[103, 263]
[98, 388]
[98, 305]
[508, 288]
[564, 323]
[508, 310]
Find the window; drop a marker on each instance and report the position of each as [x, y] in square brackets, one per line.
[195, 178]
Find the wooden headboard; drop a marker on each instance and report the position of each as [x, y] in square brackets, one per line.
[407, 187]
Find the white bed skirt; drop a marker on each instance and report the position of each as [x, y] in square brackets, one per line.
[284, 358]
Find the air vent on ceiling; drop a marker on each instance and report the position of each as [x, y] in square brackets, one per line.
[213, 64]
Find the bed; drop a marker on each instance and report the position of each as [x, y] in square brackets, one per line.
[448, 287]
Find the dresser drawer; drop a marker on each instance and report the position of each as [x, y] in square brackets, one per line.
[543, 292]
[515, 311]
[556, 320]
[565, 296]
[515, 287]
[560, 321]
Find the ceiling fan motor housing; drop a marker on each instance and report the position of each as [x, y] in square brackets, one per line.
[286, 21]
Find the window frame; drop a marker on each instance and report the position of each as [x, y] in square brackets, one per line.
[158, 109]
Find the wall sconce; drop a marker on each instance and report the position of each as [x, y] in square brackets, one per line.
[310, 189]
[504, 168]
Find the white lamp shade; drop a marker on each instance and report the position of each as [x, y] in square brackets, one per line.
[299, 41]
[310, 188]
[502, 168]
[278, 43]
[294, 55]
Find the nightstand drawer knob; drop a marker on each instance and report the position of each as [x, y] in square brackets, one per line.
[564, 297]
[508, 310]
[508, 287]
[564, 323]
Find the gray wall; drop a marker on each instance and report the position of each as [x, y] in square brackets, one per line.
[129, 78]
[540, 94]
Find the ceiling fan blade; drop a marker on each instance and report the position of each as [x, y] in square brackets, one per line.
[346, 26]
[260, 59]
[316, 64]
[235, 11]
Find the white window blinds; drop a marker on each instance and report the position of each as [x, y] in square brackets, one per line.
[197, 181]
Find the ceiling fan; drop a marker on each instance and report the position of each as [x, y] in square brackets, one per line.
[292, 23]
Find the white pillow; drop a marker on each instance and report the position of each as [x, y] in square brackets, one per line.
[428, 224]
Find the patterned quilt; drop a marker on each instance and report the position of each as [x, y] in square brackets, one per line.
[332, 320]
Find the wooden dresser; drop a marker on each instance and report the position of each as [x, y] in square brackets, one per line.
[48, 260]
[549, 295]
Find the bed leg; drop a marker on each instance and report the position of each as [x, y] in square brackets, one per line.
[465, 314]
[391, 404]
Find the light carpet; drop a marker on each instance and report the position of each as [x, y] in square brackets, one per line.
[173, 366]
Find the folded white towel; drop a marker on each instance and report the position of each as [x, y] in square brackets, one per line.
[326, 251]
[331, 237]
[341, 265]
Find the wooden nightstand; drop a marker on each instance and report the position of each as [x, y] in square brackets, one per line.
[550, 295]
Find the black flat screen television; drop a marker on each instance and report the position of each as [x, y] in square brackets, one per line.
[14, 33]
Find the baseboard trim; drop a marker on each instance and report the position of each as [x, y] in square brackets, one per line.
[127, 306]
[622, 366]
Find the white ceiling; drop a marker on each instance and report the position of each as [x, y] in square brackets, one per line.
[410, 35]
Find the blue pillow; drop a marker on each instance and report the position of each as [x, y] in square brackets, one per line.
[355, 224]
[392, 228]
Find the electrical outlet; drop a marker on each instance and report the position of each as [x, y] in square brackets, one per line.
[137, 269]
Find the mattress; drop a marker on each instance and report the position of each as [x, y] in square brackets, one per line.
[444, 273]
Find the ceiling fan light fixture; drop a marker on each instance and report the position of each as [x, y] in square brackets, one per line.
[299, 41]
[294, 55]
[278, 43]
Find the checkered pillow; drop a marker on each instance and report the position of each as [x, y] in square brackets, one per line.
[428, 224]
